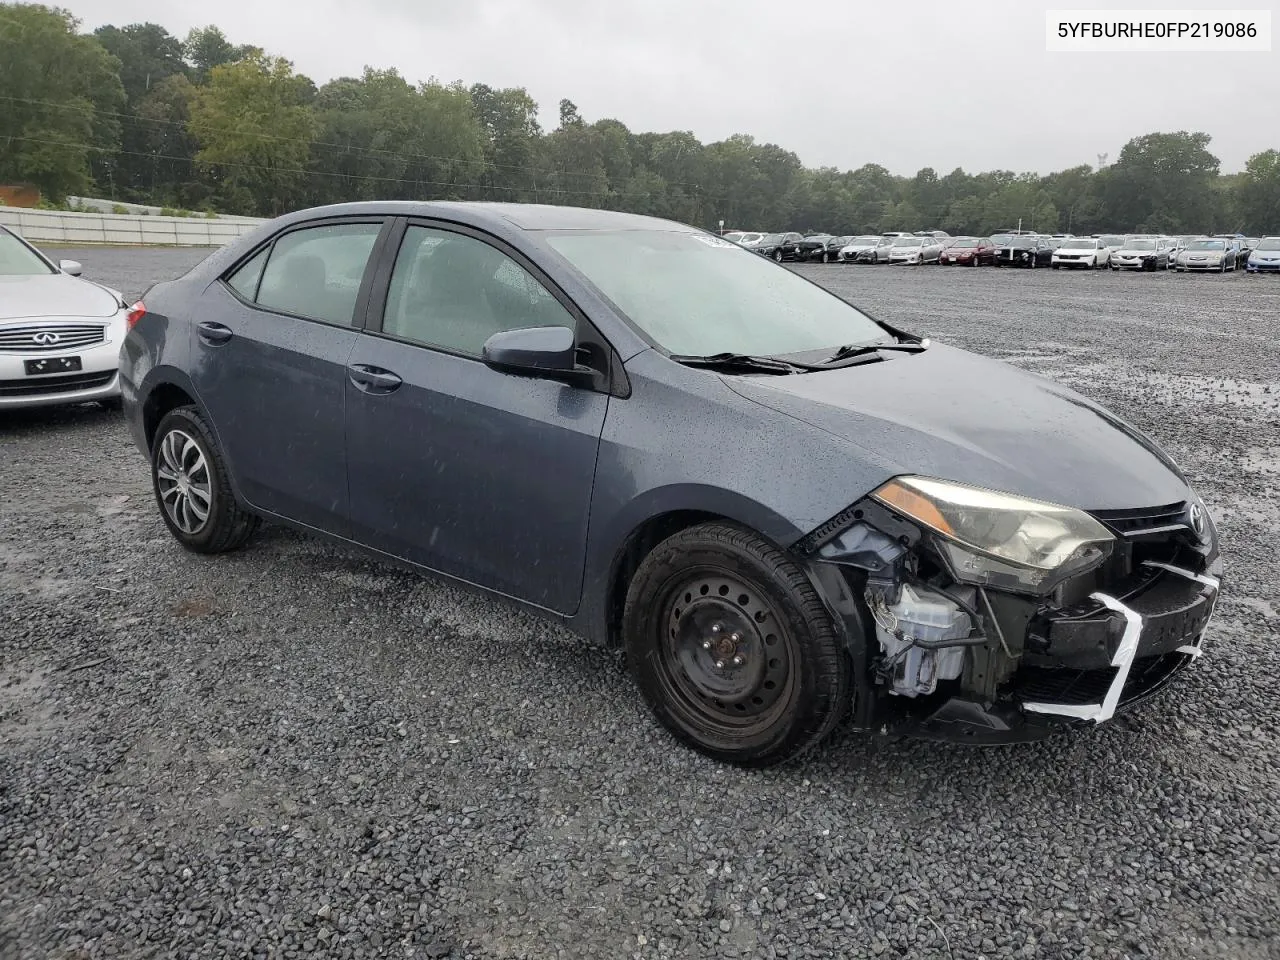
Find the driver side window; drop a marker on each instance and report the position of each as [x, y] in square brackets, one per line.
[454, 292]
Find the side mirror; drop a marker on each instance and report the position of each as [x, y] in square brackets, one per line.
[70, 267]
[547, 352]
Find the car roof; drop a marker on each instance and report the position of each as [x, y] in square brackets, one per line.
[523, 216]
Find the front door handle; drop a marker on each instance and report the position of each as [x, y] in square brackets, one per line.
[212, 333]
[372, 379]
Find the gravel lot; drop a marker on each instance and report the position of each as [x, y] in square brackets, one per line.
[293, 751]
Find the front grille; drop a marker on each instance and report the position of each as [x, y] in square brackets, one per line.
[1136, 523]
[1082, 687]
[47, 338]
[39, 386]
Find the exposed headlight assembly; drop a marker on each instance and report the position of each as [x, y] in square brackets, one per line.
[998, 539]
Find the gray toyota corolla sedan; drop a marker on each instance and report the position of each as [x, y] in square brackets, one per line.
[786, 511]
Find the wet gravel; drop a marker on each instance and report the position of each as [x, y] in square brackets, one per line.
[294, 752]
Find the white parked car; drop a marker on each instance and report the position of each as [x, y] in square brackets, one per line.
[916, 250]
[59, 335]
[749, 239]
[859, 248]
[1090, 253]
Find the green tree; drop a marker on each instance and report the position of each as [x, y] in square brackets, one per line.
[60, 94]
[1162, 181]
[254, 133]
[208, 47]
[148, 57]
[509, 119]
[1257, 194]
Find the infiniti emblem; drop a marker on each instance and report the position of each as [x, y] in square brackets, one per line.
[1195, 516]
[46, 338]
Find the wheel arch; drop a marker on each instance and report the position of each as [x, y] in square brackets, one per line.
[647, 522]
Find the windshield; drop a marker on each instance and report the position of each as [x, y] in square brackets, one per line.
[696, 294]
[1022, 243]
[1268, 243]
[1139, 245]
[1111, 241]
[1207, 245]
[771, 238]
[908, 241]
[863, 241]
[1000, 239]
[965, 243]
[17, 259]
[1079, 244]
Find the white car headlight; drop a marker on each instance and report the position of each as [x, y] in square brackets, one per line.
[1001, 539]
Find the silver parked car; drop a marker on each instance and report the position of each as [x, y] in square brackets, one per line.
[59, 335]
[859, 248]
[1207, 253]
[916, 250]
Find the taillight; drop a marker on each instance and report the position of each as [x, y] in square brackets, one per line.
[135, 313]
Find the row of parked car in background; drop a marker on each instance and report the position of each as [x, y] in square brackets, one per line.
[1220, 253]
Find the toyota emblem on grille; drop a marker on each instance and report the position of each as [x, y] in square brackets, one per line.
[1195, 517]
[46, 338]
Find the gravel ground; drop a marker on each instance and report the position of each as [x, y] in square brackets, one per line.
[292, 751]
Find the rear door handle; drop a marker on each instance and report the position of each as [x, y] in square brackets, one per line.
[214, 333]
[372, 379]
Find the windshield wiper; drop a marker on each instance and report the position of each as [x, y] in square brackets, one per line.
[851, 350]
[739, 362]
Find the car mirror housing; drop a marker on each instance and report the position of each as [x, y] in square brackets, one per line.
[70, 267]
[549, 352]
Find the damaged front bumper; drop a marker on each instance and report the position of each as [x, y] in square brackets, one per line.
[1023, 667]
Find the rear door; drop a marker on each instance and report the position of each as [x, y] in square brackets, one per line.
[481, 475]
[272, 342]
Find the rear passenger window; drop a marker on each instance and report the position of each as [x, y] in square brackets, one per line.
[316, 272]
[245, 280]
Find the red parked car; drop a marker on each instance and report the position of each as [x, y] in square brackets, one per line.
[968, 252]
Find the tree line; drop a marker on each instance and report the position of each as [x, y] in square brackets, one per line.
[133, 113]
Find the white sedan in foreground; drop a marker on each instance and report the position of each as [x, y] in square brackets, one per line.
[59, 335]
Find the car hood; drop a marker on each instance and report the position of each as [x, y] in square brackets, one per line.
[53, 295]
[953, 415]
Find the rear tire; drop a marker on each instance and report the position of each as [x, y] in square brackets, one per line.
[193, 487]
[732, 648]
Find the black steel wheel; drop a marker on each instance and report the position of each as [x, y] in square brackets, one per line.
[732, 648]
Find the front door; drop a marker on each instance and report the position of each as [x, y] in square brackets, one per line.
[481, 475]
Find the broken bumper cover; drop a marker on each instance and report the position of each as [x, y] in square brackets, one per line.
[1103, 663]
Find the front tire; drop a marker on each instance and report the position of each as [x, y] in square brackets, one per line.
[733, 649]
[193, 487]
[777, 256]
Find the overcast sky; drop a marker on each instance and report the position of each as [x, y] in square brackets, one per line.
[906, 83]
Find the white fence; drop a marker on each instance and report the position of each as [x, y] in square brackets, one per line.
[58, 227]
[96, 205]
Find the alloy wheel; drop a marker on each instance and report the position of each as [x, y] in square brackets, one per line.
[182, 477]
